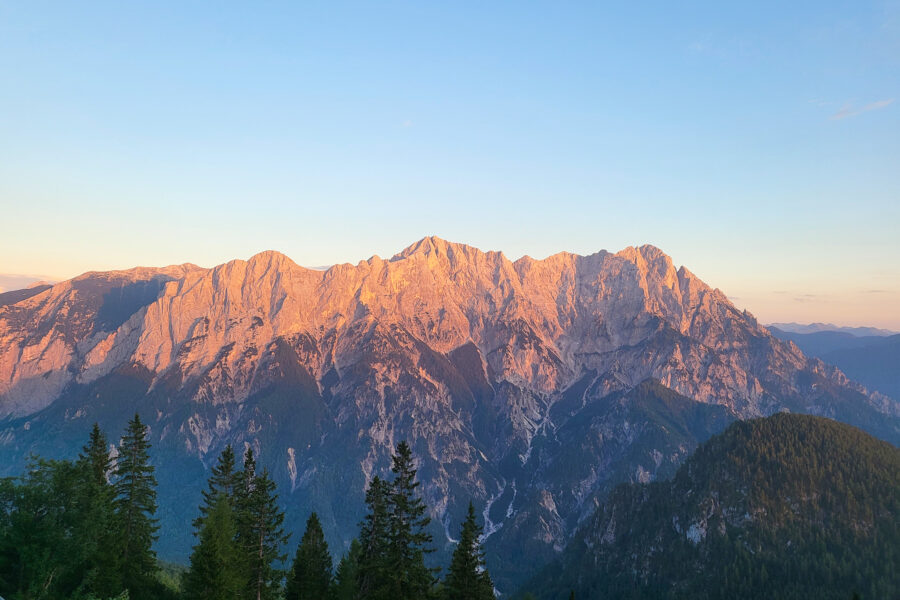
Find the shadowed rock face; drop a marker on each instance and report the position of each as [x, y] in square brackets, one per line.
[494, 370]
[14, 296]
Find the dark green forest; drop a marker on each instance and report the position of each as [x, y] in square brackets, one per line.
[85, 529]
[789, 506]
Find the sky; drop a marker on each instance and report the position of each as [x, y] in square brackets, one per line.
[758, 143]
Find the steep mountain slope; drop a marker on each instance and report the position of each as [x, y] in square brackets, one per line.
[792, 506]
[45, 335]
[877, 364]
[518, 384]
[637, 435]
[13, 296]
[874, 361]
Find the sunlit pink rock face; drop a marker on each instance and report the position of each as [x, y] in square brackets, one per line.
[530, 386]
[538, 323]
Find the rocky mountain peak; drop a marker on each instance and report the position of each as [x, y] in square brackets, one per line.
[653, 265]
[269, 263]
[519, 383]
[529, 319]
[272, 259]
[437, 252]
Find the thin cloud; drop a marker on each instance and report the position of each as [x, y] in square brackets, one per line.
[848, 109]
[10, 281]
[843, 113]
[698, 47]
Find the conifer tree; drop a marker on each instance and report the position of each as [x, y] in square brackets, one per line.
[135, 506]
[347, 573]
[95, 457]
[215, 572]
[409, 578]
[260, 533]
[467, 579]
[39, 531]
[374, 542]
[244, 534]
[97, 528]
[244, 484]
[224, 481]
[310, 576]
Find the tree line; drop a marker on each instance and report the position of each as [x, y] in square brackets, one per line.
[84, 530]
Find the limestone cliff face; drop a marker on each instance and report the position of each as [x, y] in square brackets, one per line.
[45, 338]
[495, 370]
[539, 324]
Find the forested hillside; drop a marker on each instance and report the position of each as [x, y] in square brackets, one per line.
[790, 506]
[85, 530]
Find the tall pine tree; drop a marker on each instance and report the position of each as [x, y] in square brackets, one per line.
[97, 530]
[223, 481]
[95, 458]
[409, 578]
[242, 519]
[260, 532]
[467, 579]
[215, 572]
[310, 575]
[345, 578]
[135, 506]
[374, 540]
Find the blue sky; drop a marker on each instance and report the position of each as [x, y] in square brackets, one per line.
[759, 144]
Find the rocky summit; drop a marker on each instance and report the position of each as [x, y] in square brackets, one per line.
[529, 386]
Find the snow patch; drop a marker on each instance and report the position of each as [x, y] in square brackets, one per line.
[447, 530]
[509, 509]
[490, 528]
[292, 468]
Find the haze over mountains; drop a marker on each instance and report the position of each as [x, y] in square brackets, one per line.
[873, 360]
[802, 328]
[531, 386]
[10, 282]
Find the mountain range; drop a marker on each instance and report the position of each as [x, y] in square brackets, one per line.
[807, 328]
[873, 360]
[532, 387]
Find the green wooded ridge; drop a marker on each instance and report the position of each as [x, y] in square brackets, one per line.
[789, 506]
